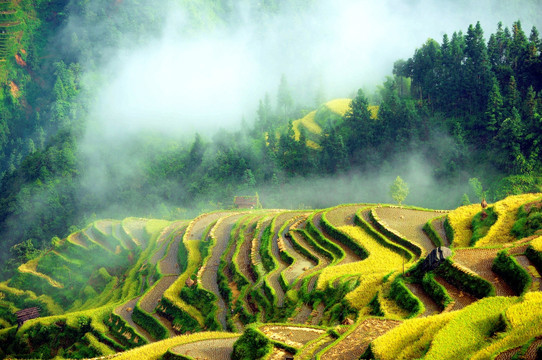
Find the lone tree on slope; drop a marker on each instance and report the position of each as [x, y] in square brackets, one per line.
[399, 190]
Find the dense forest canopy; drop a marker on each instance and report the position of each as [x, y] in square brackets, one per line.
[73, 147]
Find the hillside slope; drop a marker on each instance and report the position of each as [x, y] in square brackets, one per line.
[334, 283]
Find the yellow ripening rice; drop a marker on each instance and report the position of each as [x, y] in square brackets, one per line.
[506, 210]
[374, 111]
[460, 219]
[339, 106]
[525, 319]
[156, 350]
[380, 262]
[410, 339]
[524, 312]
[537, 243]
[471, 325]
[308, 123]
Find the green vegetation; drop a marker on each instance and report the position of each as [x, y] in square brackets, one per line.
[468, 282]
[399, 190]
[465, 106]
[529, 220]
[481, 224]
[514, 274]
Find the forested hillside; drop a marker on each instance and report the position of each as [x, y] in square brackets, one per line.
[466, 107]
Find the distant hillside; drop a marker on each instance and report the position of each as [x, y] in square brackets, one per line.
[304, 282]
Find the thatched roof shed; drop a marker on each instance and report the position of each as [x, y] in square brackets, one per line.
[27, 314]
[246, 202]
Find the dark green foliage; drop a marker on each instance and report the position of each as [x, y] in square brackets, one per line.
[535, 257]
[374, 304]
[204, 301]
[405, 298]
[481, 225]
[265, 248]
[430, 231]
[449, 231]
[149, 323]
[528, 221]
[178, 317]
[512, 272]
[472, 284]
[436, 291]
[117, 326]
[252, 345]
[343, 238]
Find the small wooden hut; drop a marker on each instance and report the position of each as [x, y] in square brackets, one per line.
[247, 202]
[27, 314]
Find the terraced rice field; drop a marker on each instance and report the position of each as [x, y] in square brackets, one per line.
[408, 223]
[355, 344]
[311, 282]
[480, 261]
[213, 349]
[350, 255]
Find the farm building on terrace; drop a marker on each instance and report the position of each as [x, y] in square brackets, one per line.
[26, 314]
[247, 202]
[436, 257]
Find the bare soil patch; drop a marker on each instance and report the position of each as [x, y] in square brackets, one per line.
[529, 354]
[480, 261]
[355, 344]
[343, 215]
[214, 349]
[461, 299]
[169, 264]
[431, 307]
[409, 223]
[291, 335]
[152, 297]
[125, 311]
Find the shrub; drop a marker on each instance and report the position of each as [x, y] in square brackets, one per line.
[481, 225]
[534, 256]
[405, 298]
[466, 281]
[436, 291]
[514, 274]
[433, 235]
[252, 345]
[374, 304]
[149, 323]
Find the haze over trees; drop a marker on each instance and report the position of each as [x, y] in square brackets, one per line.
[466, 106]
